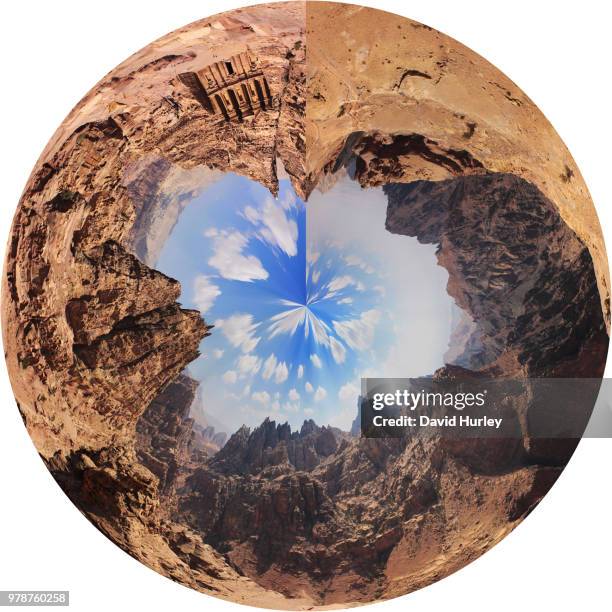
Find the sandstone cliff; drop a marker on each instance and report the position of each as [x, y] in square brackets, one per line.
[92, 334]
[97, 343]
[417, 83]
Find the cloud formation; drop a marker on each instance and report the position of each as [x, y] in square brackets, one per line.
[249, 364]
[358, 333]
[239, 329]
[230, 377]
[269, 367]
[205, 293]
[282, 373]
[348, 392]
[262, 397]
[230, 261]
[320, 394]
[316, 360]
[274, 226]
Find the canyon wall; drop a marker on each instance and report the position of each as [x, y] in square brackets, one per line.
[92, 335]
[97, 342]
[409, 79]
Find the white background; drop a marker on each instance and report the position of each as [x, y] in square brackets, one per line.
[53, 52]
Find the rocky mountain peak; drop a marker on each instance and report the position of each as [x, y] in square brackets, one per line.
[275, 445]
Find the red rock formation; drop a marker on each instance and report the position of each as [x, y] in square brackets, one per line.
[96, 342]
[164, 432]
[92, 334]
[207, 439]
[339, 529]
[271, 445]
[520, 273]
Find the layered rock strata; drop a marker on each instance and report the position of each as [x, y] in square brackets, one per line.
[92, 334]
[97, 343]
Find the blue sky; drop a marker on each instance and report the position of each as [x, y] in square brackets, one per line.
[305, 299]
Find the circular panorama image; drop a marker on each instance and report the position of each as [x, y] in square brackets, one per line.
[238, 224]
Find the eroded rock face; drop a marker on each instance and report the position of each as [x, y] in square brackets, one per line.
[97, 344]
[273, 446]
[420, 82]
[515, 267]
[207, 439]
[290, 508]
[92, 334]
[164, 432]
[349, 526]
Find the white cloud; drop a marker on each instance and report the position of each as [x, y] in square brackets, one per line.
[338, 283]
[316, 361]
[345, 300]
[276, 405]
[309, 388]
[349, 392]
[337, 349]
[354, 260]
[228, 258]
[282, 373]
[289, 407]
[269, 367]
[218, 353]
[289, 200]
[293, 395]
[287, 321]
[249, 364]
[320, 394]
[320, 330]
[204, 293]
[262, 397]
[311, 255]
[230, 377]
[251, 214]
[274, 226]
[272, 367]
[358, 333]
[308, 411]
[300, 371]
[239, 329]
